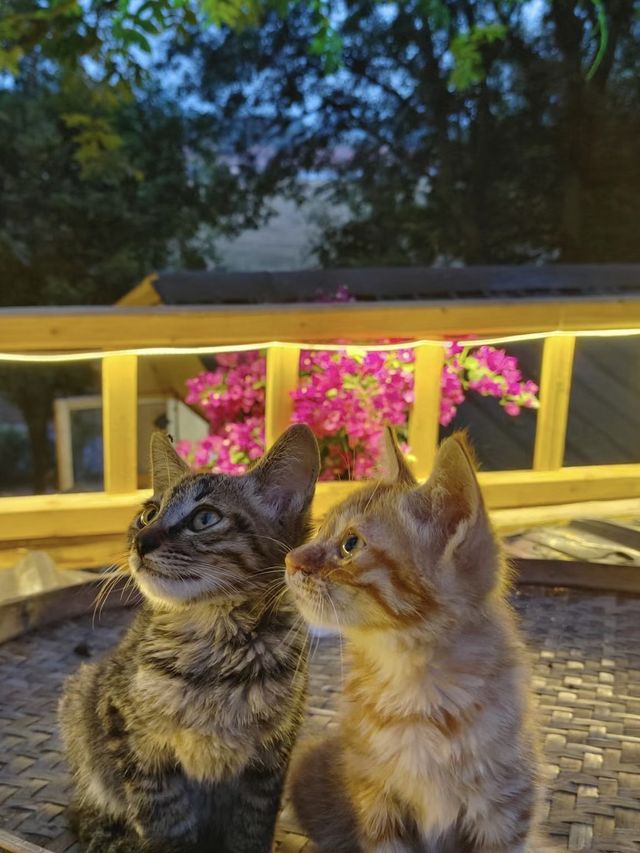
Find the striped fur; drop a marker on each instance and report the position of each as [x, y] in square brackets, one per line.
[179, 739]
[435, 746]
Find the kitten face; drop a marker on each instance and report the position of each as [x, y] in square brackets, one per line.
[360, 569]
[205, 536]
[196, 540]
[396, 554]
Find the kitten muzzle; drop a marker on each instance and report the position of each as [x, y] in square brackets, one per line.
[149, 539]
[308, 559]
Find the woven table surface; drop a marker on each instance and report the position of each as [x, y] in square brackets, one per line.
[586, 655]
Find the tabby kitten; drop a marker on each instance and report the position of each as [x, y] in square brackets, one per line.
[179, 739]
[434, 749]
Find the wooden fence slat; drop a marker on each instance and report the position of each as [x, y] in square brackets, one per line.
[120, 423]
[282, 378]
[555, 392]
[424, 424]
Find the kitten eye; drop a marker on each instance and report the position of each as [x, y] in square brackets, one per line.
[203, 519]
[147, 515]
[349, 544]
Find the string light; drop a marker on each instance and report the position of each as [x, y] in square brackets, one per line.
[53, 358]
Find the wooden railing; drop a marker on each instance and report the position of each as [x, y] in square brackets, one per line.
[121, 336]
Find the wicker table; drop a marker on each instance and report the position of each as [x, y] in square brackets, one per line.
[586, 650]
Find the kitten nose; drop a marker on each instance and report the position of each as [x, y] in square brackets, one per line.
[295, 564]
[304, 559]
[148, 540]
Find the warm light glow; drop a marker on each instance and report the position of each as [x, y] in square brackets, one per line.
[363, 348]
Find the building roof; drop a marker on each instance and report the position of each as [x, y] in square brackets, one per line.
[375, 283]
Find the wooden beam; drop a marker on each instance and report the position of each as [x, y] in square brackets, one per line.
[555, 392]
[518, 518]
[569, 485]
[120, 422]
[79, 551]
[282, 378]
[36, 517]
[33, 517]
[424, 423]
[577, 574]
[33, 330]
[525, 488]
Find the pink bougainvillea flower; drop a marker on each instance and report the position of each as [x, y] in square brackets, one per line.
[512, 408]
[345, 396]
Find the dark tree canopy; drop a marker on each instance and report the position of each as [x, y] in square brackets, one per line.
[105, 175]
[97, 191]
[497, 131]
[133, 134]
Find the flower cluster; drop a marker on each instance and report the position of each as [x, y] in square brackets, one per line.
[231, 398]
[341, 294]
[489, 372]
[228, 451]
[232, 391]
[346, 397]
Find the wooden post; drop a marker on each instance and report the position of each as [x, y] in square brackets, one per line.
[555, 391]
[424, 425]
[64, 456]
[120, 422]
[282, 378]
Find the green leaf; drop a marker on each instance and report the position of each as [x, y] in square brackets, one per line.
[9, 59]
[466, 49]
[130, 37]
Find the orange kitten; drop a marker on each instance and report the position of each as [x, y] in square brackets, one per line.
[434, 749]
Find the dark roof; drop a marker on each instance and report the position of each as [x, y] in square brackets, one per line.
[203, 288]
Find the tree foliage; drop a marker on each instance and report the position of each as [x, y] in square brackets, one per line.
[489, 132]
[103, 179]
[496, 131]
[99, 189]
[118, 36]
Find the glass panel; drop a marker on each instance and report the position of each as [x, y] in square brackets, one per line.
[16, 468]
[502, 441]
[192, 397]
[86, 446]
[50, 433]
[604, 409]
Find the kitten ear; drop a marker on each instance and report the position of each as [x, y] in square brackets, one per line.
[393, 463]
[451, 506]
[167, 468]
[287, 474]
[452, 494]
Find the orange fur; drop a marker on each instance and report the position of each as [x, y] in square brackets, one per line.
[434, 749]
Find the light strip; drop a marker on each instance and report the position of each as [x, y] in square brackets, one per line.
[52, 358]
